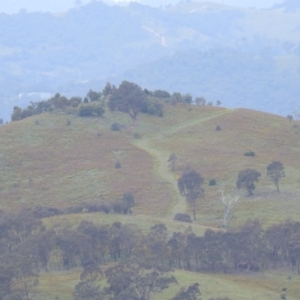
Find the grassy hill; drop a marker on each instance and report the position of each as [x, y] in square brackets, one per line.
[59, 165]
[44, 161]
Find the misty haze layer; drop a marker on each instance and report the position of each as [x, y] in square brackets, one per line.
[241, 57]
[9, 6]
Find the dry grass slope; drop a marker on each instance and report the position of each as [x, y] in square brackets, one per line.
[58, 165]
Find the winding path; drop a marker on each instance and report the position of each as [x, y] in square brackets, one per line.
[161, 157]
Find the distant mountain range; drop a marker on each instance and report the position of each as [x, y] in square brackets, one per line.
[242, 57]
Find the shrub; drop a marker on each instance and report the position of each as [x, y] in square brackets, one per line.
[249, 153]
[118, 165]
[68, 122]
[105, 208]
[115, 127]
[41, 212]
[90, 110]
[137, 136]
[128, 202]
[212, 182]
[118, 208]
[182, 217]
[218, 128]
[161, 94]
[77, 209]
[152, 107]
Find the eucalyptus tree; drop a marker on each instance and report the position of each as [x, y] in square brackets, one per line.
[190, 186]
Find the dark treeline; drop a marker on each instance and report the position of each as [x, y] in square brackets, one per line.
[27, 248]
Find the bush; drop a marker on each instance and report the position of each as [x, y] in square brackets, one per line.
[41, 212]
[152, 107]
[182, 217]
[115, 127]
[118, 165]
[218, 128]
[105, 208]
[118, 208]
[128, 202]
[90, 110]
[212, 182]
[77, 209]
[137, 136]
[249, 153]
[161, 94]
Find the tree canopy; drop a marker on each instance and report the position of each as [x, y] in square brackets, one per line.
[189, 185]
[275, 171]
[128, 98]
[246, 180]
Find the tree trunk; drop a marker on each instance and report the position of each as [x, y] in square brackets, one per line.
[250, 192]
[226, 215]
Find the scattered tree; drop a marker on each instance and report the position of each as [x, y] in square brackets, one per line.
[229, 203]
[275, 171]
[189, 185]
[182, 217]
[133, 281]
[290, 118]
[200, 101]
[84, 290]
[88, 288]
[127, 98]
[115, 127]
[88, 110]
[128, 202]
[94, 96]
[246, 179]
[191, 293]
[108, 89]
[118, 165]
[25, 277]
[212, 182]
[161, 94]
[249, 153]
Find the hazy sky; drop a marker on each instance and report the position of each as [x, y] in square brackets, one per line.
[13, 6]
